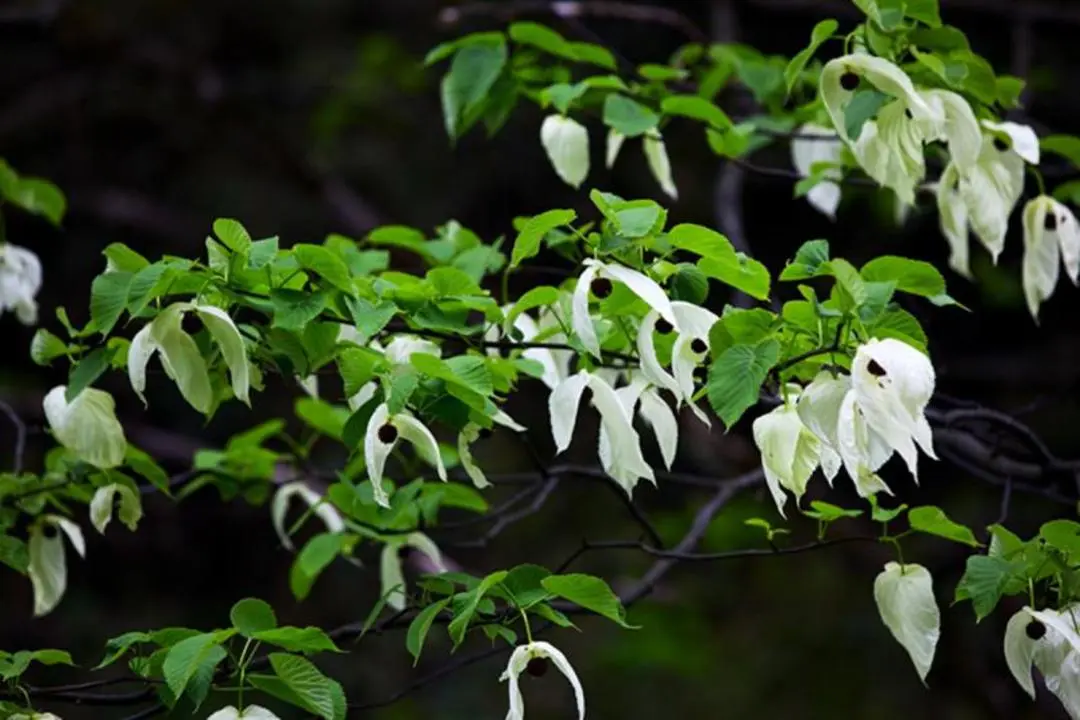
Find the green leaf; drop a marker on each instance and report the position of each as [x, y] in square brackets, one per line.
[145, 286]
[849, 279]
[472, 74]
[933, 521]
[184, 658]
[466, 371]
[464, 615]
[1064, 535]
[1067, 146]
[742, 273]
[86, 371]
[525, 585]
[119, 645]
[527, 244]
[702, 241]
[736, 376]
[251, 615]
[317, 554]
[370, 319]
[627, 116]
[983, 582]
[594, 55]
[325, 264]
[108, 298]
[46, 347]
[821, 32]
[262, 253]
[925, 11]
[589, 592]
[232, 234]
[696, 108]
[322, 416]
[293, 309]
[829, 513]
[689, 284]
[419, 627]
[541, 296]
[543, 38]
[124, 259]
[294, 639]
[910, 276]
[862, 107]
[36, 196]
[811, 260]
[318, 693]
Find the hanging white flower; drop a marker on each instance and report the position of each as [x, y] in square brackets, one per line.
[597, 278]
[956, 126]
[48, 566]
[1051, 236]
[789, 451]
[251, 712]
[383, 432]
[621, 452]
[984, 195]
[892, 384]
[904, 595]
[391, 577]
[1046, 639]
[532, 658]
[180, 354]
[615, 140]
[818, 144]
[690, 348]
[20, 281]
[643, 399]
[321, 507]
[555, 363]
[659, 165]
[878, 410]
[87, 426]
[890, 147]
[566, 143]
[104, 502]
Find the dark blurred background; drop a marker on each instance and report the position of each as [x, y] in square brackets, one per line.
[303, 117]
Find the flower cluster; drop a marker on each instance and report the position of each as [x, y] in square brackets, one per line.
[979, 187]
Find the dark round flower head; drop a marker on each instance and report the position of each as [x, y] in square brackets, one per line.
[663, 326]
[388, 433]
[1035, 630]
[537, 667]
[601, 287]
[485, 433]
[1000, 144]
[1050, 222]
[698, 345]
[875, 369]
[49, 531]
[849, 81]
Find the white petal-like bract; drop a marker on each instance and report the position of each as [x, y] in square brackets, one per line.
[87, 426]
[567, 145]
[520, 659]
[905, 599]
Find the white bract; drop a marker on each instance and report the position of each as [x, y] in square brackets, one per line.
[639, 396]
[1048, 640]
[180, 354]
[320, 506]
[392, 578]
[890, 147]
[251, 712]
[104, 501]
[566, 143]
[905, 600]
[691, 346]
[20, 281]
[87, 426]
[48, 566]
[641, 285]
[983, 196]
[878, 410]
[659, 165]
[538, 652]
[620, 453]
[555, 362]
[789, 451]
[383, 432]
[815, 144]
[1051, 237]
